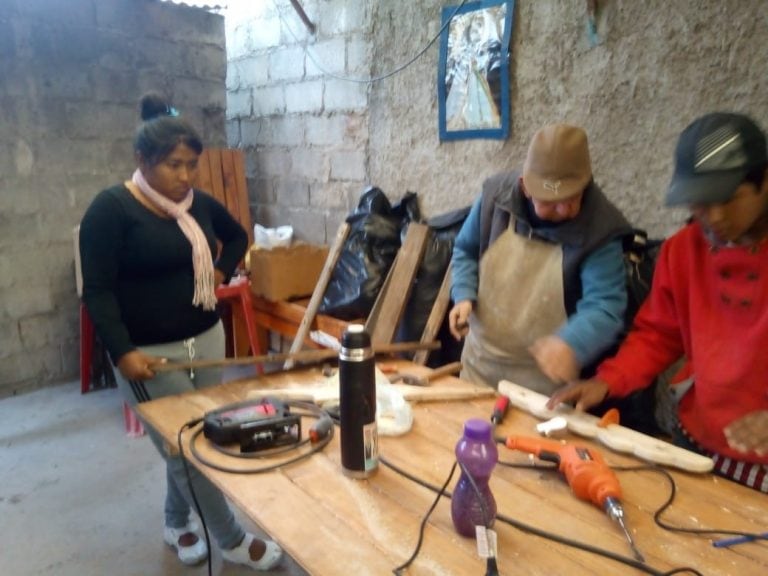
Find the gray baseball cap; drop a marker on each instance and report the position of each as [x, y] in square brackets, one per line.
[713, 156]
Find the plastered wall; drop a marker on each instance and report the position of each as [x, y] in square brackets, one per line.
[71, 74]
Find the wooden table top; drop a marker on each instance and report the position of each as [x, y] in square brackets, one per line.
[334, 525]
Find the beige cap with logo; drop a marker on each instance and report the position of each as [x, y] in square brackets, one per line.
[558, 164]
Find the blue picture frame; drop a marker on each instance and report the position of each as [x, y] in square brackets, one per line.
[473, 70]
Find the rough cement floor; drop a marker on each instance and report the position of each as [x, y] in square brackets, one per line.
[80, 498]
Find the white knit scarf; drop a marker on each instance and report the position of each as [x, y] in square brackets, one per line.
[201, 252]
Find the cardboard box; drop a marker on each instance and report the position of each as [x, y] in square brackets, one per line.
[286, 272]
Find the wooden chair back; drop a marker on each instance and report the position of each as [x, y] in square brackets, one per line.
[221, 173]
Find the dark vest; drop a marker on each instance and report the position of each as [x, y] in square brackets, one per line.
[597, 223]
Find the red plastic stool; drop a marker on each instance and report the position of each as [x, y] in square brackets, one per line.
[238, 293]
[133, 426]
[87, 336]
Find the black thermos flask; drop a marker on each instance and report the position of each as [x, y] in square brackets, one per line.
[357, 404]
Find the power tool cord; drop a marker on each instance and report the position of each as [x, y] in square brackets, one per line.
[492, 569]
[309, 410]
[191, 424]
[670, 500]
[530, 529]
[399, 570]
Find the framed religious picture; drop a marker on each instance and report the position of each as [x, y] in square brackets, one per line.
[473, 71]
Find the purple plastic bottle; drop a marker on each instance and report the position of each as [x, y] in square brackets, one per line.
[477, 451]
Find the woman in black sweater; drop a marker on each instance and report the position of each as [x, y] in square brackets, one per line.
[151, 262]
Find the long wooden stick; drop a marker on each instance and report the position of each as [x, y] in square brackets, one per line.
[319, 292]
[302, 356]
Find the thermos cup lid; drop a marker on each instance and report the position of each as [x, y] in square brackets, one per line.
[355, 336]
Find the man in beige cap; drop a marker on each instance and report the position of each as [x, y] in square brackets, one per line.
[538, 275]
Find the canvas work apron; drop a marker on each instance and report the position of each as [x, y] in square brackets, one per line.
[520, 299]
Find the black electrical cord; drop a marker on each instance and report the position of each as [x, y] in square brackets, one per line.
[670, 500]
[399, 570]
[309, 410]
[191, 424]
[492, 569]
[542, 533]
[371, 80]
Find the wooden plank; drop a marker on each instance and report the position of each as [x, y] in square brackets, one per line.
[241, 184]
[373, 315]
[319, 292]
[203, 179]
[221, 173]
[395, 298]
[436, 316]
[217, 185]
[228, 182]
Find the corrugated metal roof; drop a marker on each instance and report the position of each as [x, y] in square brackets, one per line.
[204, 4]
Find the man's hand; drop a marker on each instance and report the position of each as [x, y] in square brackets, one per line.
[555, 359]
[585, 393]
[135, 365]
[458, 319]
[749, 433]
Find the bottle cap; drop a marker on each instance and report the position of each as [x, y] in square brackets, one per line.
[477, 429]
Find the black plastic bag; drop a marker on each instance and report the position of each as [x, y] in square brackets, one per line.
[369, 250]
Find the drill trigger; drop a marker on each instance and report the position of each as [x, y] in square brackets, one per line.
[548, 456]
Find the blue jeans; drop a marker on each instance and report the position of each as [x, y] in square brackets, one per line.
[218, 516]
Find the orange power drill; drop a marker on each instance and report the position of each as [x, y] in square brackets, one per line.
[586, 472]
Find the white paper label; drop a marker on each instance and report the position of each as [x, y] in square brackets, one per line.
[486, 542]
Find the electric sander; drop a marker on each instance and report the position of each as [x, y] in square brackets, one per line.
[254, 425]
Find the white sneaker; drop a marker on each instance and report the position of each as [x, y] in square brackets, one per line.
[241, 555]
[189, 555]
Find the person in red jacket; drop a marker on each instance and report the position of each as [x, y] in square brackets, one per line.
[708, 304]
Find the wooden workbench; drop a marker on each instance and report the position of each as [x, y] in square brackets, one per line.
[334, 525]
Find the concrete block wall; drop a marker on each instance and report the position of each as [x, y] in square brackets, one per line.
[71, 75]
[304, 130]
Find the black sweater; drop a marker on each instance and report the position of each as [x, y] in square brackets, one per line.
[138, 277]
